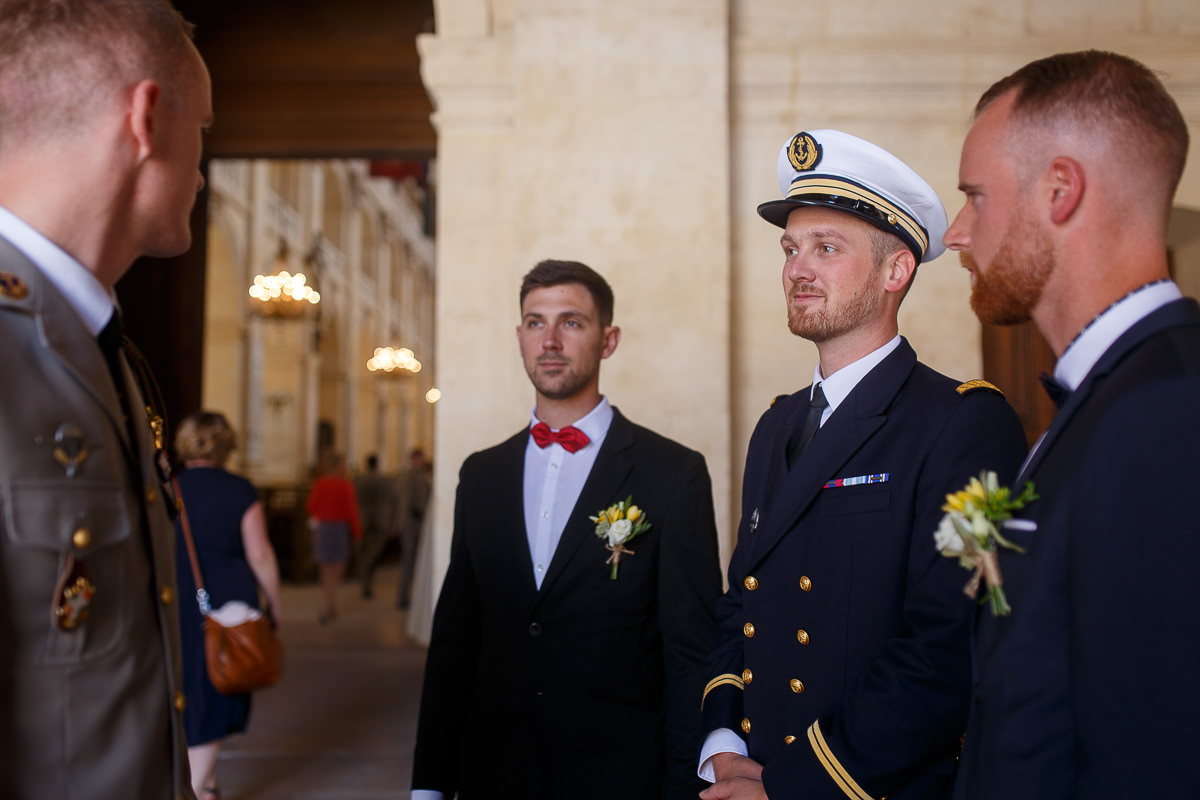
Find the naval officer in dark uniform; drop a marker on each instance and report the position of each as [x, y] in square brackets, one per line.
[842, 666]
[102, 108]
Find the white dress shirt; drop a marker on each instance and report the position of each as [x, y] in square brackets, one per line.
[553, 480]
[837, 387]
[92, 302]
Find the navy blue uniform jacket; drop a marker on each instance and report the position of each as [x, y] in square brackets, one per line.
[843, 645]
[588, 687]
[1089, 688]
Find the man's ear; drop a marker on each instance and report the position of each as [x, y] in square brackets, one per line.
[899, 267]
[1067, 184]
[612, 337]
[145, 106]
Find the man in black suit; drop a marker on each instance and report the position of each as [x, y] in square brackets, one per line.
[842, 664]
[1088, 688]
[563, 664]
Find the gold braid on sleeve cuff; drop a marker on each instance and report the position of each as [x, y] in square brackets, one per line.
[834, 767]
[722, 680]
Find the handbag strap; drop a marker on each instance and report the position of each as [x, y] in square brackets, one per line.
[201, 593]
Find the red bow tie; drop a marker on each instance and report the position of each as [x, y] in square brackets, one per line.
[570, 437]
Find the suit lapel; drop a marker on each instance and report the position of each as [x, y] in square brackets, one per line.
[855, 421]
[1178, 312]
[507, 502]
[613, 464]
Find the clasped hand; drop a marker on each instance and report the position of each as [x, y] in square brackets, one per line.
[738, 778]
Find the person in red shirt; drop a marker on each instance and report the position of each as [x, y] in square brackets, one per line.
[333, 518]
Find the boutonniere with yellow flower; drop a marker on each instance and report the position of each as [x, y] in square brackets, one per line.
[617, 525]
[970, 532]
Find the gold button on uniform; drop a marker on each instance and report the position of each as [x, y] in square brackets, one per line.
[81, 538]
[747, 676]
[802, 636]
[748, 629]
[180, 702]
[745, 725]
[789, 739]
[151, 495]
[796, 685]
[166, 595]
[751, 582]
[805, 583]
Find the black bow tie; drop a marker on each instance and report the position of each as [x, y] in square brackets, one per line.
[1057, 390]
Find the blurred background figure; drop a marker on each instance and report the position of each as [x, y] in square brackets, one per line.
[236, 562]
[414, 497]
[377, 502]
[333, 518]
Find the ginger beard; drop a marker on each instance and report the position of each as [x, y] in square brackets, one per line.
[1008, 291]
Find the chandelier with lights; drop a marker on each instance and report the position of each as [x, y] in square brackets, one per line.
[394, 361]
[285, 293]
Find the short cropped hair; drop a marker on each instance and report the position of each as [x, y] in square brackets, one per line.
[61, 60]
[1100, 91]
[556, 273]
[205, 436]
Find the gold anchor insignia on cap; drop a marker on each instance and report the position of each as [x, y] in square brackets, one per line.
[804, 152]
[12, 287]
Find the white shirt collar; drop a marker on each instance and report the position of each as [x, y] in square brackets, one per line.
[837, 387]
[1099, 334]
[87, 296]
[594, 423]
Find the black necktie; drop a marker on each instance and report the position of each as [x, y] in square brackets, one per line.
[1057, 390]
[111, 340]
[110, 344]
[800, 440]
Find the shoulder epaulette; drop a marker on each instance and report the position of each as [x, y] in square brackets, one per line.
[777, 399]
[977, 385]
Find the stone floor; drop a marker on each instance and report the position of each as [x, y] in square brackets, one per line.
[340, 724]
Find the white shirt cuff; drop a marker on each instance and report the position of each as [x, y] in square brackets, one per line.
[722, 740]
[426, 794]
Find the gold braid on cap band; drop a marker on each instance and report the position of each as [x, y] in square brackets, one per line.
[855, 199]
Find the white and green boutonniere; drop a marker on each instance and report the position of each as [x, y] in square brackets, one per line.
[970, 532]
[617, 525]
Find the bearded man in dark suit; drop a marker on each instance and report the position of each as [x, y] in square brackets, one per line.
[1088, 688]
[564, 664]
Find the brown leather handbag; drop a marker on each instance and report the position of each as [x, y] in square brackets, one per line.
[239, 658]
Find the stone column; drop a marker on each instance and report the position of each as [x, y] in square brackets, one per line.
[595, 132]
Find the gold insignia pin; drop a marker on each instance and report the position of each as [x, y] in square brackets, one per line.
[70, 447]
[804, 152]
[13, 287]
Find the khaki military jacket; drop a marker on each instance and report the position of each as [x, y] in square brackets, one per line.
[91, 698]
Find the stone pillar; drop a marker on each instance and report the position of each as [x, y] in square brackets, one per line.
[595, 132]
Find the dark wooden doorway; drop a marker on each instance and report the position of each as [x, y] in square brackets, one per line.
[1013, 357]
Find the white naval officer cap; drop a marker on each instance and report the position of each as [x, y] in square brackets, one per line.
[832, 169]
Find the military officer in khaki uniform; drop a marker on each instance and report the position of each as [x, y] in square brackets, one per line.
[842, 665]
[102, 106]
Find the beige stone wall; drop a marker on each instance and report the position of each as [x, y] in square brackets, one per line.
[640, 136]
[596, 132]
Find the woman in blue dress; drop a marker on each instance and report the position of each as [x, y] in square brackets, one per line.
[236, 563]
